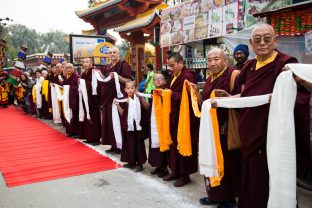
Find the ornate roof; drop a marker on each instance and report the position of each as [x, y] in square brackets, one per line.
[99, 7]
[142, 20]
[137, 23]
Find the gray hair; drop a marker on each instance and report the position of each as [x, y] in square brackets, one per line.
[114, 48]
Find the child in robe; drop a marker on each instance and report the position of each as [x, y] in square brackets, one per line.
[156, 158]
[133, 148]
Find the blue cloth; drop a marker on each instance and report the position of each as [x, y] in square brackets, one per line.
[141, 87]
[243, 48]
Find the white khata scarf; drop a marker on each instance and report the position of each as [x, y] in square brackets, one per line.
[281, 145]
[154, 129]
[38, 86]
[94, 83]
[68, 114]
[117, 84]
[208, 162]
[83, 96]
[55, 105]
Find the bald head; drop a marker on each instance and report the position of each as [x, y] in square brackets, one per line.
[263, 41]
[262, 26]
[216, 61]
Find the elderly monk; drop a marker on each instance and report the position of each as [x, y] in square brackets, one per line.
[181, 166]
[71, 79]
[108, 93]
[91, 129]
[221, 78]
[258, 77]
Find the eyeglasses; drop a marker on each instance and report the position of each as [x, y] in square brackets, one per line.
[267, 39]
[158, 79]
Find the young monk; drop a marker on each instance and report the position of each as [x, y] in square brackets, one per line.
[156, 158]
[133, 147]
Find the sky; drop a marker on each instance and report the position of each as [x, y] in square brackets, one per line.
[44, 15]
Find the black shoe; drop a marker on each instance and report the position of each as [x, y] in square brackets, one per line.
[230, 204]
[156, 171]
[163, 173]
[95, 143]
[182, 181]
[172, 176]
[129, 165]
[138, 168]
[207, 201]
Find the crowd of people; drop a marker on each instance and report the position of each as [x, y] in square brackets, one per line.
[104, 106]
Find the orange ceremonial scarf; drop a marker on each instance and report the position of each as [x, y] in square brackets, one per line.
[162, 115]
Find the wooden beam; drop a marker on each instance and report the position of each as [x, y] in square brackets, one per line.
[131, 11]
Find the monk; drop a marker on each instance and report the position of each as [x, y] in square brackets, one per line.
[258, 77]
[71, 79]
[220, 78]
[181, 166]
[91, 129]
[108, 93]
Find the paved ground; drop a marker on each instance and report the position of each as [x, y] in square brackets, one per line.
[114, 188]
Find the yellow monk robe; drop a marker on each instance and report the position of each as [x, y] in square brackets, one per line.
[45, 91]
[260, 64]
[33, 92]
[162, 106]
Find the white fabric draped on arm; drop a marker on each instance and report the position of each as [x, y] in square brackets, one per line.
[207, 151]
[83, 98]
[116, 78]
[281, 144]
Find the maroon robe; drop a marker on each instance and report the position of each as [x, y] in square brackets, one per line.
[108, 93]
[156, 158]
[72, 128]
[91, 129]
[254, 188]
[228, 190]
[178, 163]
[133, 147]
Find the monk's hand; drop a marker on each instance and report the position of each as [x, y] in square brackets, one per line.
[190, 85]
[137, 93]
[214, 103]
[116, 102]
[270, 98]
[111, 74]
[221, 93]
[53, 85]
[285, 68]
[157, 92]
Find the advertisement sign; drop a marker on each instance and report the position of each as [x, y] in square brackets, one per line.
[82, 46]
[198, 20]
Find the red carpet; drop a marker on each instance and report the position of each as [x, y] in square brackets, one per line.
[31, 151]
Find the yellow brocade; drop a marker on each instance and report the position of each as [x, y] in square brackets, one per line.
[265, 62]
[162, 109]
[174, 79]
[45, 89]
[216, 181]
[218, 75]
[19, 93]
[4, 95]
[195, 107]
[34, 94]
[184, 129]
